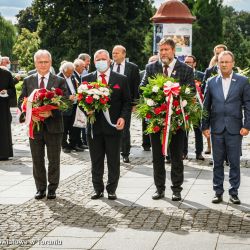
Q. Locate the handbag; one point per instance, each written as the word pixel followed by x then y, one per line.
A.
pixel 80 119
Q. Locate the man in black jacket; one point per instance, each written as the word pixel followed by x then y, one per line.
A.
pixel 171 66
pixel 130 70
pixel 104 137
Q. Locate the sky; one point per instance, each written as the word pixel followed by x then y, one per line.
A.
pixel 9 8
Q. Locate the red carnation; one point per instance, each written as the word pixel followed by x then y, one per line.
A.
pixel 176 103
pixel 89 99
pixel 49 94
pixel 157 110
pixel 80 96
pixel 178 112
pixel 103 101
pixel 85 82
pixel 58 91
pixel 90 86
pixel 41 96
pixel 148 116
pixel 164 106
pixel 156 129
pixel 42 90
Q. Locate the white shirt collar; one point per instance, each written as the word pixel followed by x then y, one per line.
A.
pixel 45 76
pixel 107 73
pixel 230 77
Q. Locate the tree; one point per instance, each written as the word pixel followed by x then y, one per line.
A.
pixel 26 45
pixel 7 37
pixel 67 27
pixel 27 19
pixel 207 29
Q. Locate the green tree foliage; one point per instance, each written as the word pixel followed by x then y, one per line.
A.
pixel 67 26
pixel 27 19
pixel 26 45
pixel 7 37
pixel 207 29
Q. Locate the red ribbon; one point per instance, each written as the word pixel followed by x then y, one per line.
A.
pixel 198 89
pixel 169 91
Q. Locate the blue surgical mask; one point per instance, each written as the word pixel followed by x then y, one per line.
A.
pixel 101 65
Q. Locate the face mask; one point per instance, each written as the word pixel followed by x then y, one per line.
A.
pixel 101 65
pixel 8 66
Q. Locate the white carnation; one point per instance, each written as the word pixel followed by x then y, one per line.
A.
pixel 150 102
pixel 97 97
pixel 168 83
pixel 82 88
pixel 187 90
pixel 184 103
pixel 155 89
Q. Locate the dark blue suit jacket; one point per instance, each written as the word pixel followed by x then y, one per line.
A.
pixel 227 113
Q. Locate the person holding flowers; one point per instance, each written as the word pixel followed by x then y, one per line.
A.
pixel 168 65
pixel 40 88
pixel 104 97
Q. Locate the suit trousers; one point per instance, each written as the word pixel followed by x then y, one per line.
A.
pixel 176 151
pixel 99 146
pixel 126 144
pixel 37 145
pixel 226 144
pixel 145 137
pixel 198 142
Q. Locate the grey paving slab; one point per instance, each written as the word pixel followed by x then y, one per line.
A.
pixel 128 239
pixel 187 241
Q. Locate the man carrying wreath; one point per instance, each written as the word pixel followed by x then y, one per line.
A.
pixel 50 131
pixel 104 134
pixel 170 66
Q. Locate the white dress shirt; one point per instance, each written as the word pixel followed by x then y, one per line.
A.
pixel 45 80
pixel 122 67
pixel 107 75
pixel 226 84
pixel 70 84
pixel 170 67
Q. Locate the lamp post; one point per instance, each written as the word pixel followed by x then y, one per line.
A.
pixel 89 27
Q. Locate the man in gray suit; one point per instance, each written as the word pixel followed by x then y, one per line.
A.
pixel 226 96
pixel 51 130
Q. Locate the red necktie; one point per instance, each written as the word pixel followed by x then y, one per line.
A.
pixel 42 83
pixel 103 79
pixel 165 69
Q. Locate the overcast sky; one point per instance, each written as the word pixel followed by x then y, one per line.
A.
pixel 9 8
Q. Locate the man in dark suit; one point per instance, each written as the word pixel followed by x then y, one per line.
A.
pixel 131 70
pixel 71 134
pixel 169 65
pixel 104 138
pixel 51 130
pixel 226 96
pixel 198 76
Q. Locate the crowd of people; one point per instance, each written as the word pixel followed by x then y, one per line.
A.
pixel 223 94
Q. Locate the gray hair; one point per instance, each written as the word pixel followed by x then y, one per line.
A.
pixel 0 59
pixel 42 52
pixel 66 65
pixel 101 51
pixel 78 62
pixel 226 52
pixel 84 56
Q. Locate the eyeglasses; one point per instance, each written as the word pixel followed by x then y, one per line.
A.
pixel 43 62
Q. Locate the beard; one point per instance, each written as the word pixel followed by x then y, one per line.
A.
pixel 165 61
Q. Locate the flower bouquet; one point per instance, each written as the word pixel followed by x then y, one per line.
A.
pixel 168 107
pixel 92 97
pixel 42 100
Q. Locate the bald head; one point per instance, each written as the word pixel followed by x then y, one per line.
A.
pixel 119 54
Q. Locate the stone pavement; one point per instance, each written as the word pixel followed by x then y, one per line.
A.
pixel 134 221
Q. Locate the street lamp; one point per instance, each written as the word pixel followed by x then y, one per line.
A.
pixel 89 27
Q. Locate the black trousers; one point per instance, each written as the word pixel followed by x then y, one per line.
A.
pixel 99 146
pixel 71 134
pixel 145 137
pixel 37 145
pixel 176 151
pixel 126 143
pixel 198 142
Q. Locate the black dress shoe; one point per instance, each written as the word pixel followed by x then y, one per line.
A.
pixel 176 196
pixel 167 159
pixel 146 148
pixel 51 195
pixel 217 199
pixel 77 149
pixel 200 157
pixel 97 195
pixel 83 146
pixel 112 196
pixel 40 194
pixel 234 199
pixel 158 195
pixel 125 159
pixel 66 150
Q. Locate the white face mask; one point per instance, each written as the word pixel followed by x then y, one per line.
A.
pixel 101 65
pixel 8 66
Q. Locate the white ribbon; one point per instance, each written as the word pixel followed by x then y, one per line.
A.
pixel 107 116
pixel 29 107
